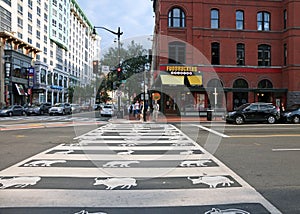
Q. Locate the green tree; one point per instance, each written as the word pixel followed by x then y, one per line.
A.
pixel 132 61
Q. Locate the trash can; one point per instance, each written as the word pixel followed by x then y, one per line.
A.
pixel 209 114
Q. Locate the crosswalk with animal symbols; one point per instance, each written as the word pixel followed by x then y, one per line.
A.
pixel 127 168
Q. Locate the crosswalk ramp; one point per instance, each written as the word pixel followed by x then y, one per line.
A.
pixel 127 168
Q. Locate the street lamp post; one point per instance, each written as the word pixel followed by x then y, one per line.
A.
pixel 119 33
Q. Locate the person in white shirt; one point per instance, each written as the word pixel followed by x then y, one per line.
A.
pixel 155 111
pixel 136 109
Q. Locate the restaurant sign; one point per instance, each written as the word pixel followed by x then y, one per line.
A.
pixel 179 70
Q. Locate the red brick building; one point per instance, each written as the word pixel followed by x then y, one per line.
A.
pixel 253 47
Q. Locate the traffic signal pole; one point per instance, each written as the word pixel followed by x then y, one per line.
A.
pixel 119 33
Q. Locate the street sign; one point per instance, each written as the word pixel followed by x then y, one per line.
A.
pixel 119 93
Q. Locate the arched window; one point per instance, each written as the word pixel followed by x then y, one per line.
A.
pixel 265 84
pixel 177 53
pixel 263 21
pixel 240 83
pixel 239 19
pixel 264 55
pixel 214 83
pixel 214 18
pixel 176 18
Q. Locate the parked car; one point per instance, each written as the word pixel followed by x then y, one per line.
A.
pixel 12 110
pixel 254 112
pixel 38 109
pixel 75 108
pixel 60 108
pixel 292 114
pixel 107 110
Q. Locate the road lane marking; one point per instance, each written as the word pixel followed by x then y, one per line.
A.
pixel 286 150
pixel 264 136
pixel 211 131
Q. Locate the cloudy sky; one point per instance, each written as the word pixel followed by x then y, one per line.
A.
pixel 134 17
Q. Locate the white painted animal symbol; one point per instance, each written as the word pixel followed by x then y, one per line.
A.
pixel 188 152
pixel 87 212
pixel 65 152
pixel 18 182
pixel 119 163
pixel 227 211
pixel 112 183
pixel 189 163
pixel 44 163
pixel 128 144
pixel 129 152
pixel 212 181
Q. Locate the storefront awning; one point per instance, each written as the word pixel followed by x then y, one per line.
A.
pixel 172 80
pixel 20 89
pixel 195 80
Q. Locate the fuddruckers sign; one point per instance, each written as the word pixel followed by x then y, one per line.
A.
pixel 179 70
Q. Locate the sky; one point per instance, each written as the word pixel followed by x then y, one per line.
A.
pixel 134 17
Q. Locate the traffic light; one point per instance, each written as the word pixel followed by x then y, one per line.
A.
pixel 119 71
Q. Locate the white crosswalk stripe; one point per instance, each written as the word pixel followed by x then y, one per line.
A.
pixel 137 168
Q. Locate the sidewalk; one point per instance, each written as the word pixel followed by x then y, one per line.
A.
pixel 171 119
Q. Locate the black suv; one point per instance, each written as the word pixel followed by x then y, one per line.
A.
pixel 254 112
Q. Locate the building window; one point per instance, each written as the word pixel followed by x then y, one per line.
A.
pixel 30 4
pixel 284 19
pixel 263 21
pixel 285 54
pixel 38 34
pixel 239 19
pixel 215 53
pixel 38 23
pixel 214 18
pixel 38 10
pixel 240 54
pixel 29 16
pixel 264 55
pixel 176 18
pixel 29 29
pixel 53 22
pixel 265 84
pixel 176 53
pixel 20 9
pixel 20 22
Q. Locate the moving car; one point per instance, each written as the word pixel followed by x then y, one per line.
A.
pixel 254 112
pixel 12 110
pixel 60 108
pixel 107 110
pixel 75 108
pixel 38 109
pixel 292 114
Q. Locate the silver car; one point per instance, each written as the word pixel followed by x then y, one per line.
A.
pixel 60 108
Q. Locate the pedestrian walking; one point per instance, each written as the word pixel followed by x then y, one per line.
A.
pixel 155 111
pixel 136 109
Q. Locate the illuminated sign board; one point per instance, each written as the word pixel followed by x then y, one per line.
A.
pixel 180 70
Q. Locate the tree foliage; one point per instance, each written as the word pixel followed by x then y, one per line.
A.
pixel 133 59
